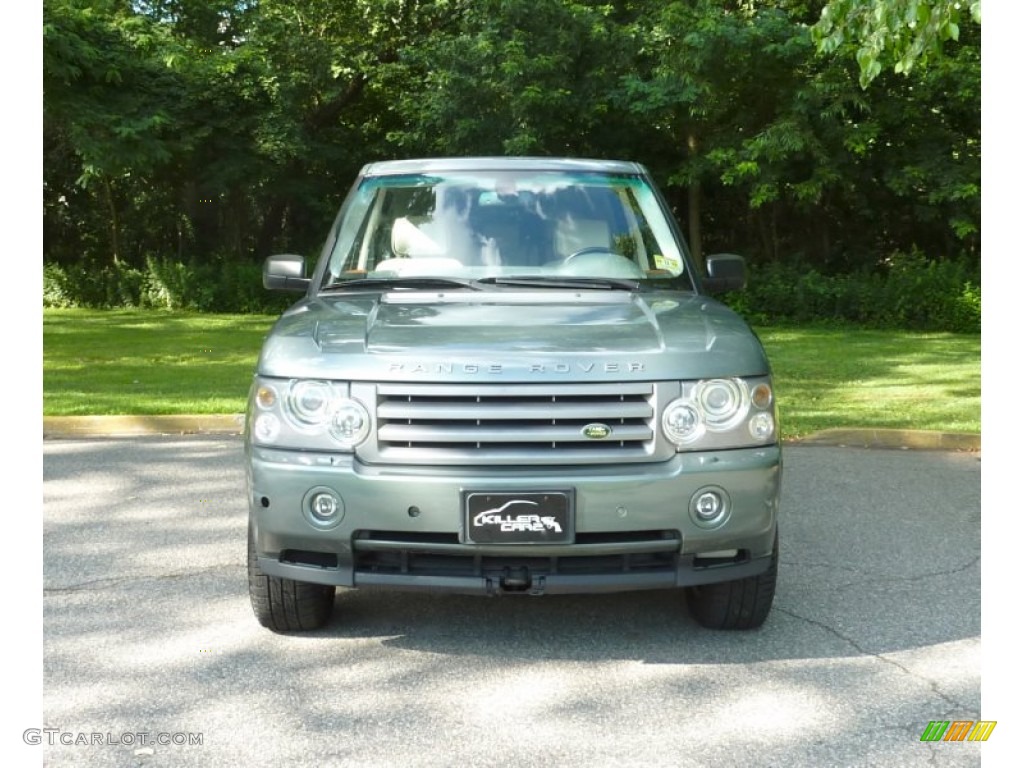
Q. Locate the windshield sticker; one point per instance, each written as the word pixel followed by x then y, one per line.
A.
pixel 667 262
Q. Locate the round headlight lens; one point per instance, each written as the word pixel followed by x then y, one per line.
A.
pixel 266 428
pixel 762 426
pixel 682 422
pixel 724 402
pixel 309 402
pixel 350 424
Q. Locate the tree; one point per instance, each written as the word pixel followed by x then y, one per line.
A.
pixel 784 157
pixel 212 132
pixel 751 116
pixel 109 99
pixel 514 77
pixel 900 33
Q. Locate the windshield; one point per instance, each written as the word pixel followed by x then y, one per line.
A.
pixel 499 224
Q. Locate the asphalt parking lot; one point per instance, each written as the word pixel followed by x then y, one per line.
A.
pixel 149 637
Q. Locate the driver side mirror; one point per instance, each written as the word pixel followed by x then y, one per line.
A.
pixel 726 272
pixel 286 272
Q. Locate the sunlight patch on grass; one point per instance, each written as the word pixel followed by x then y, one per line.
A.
pixel 844 378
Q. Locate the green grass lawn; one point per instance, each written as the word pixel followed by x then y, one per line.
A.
pixel 875 379
pixel 152 362
pixel 148 362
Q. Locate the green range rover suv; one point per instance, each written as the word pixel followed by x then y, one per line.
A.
pixel 507 377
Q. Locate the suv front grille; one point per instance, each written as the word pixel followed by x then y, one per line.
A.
pixel 515 423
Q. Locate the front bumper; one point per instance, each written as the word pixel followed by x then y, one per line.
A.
pixel 404 528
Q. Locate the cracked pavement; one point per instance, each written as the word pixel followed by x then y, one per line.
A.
pixel 147 630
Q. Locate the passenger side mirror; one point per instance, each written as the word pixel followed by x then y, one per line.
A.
pixel 286 272
pixel 726 272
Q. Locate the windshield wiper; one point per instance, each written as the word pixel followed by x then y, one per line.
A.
pixel 601 283
pixel 403 282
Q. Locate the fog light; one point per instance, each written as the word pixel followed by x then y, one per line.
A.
pixel 323 507
pixel 709 507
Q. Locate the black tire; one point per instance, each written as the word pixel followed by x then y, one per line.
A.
pixel 740 604
pixel 285 605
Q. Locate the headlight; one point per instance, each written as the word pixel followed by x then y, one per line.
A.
pixel 682 422
pixel 762 426
pixel 350 424
pixel 266 428
pixel 721 413
pixel 724 402
pixel 309 403
pixel 307 414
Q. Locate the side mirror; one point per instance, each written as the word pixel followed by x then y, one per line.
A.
pixel 286 272
pixel 726 272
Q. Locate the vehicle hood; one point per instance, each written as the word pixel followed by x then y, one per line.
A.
pixel 511 336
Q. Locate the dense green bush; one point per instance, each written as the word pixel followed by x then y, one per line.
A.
pixel 93 286
pixel 907 291
pixel 218 286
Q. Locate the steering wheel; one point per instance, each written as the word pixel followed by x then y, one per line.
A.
pixel 588 249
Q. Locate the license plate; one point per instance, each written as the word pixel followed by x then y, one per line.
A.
pixel 519 518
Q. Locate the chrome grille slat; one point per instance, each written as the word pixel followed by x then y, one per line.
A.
pixel 520 455
pixel 461 411
pixel 614 389
pixel 440 433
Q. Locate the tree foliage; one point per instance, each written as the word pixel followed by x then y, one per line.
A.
pixel 214 132
pixel 902 33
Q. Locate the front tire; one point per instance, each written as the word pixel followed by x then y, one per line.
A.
pixel 739 604
pixel 286 605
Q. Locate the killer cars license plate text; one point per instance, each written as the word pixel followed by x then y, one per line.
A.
pixel 519 518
